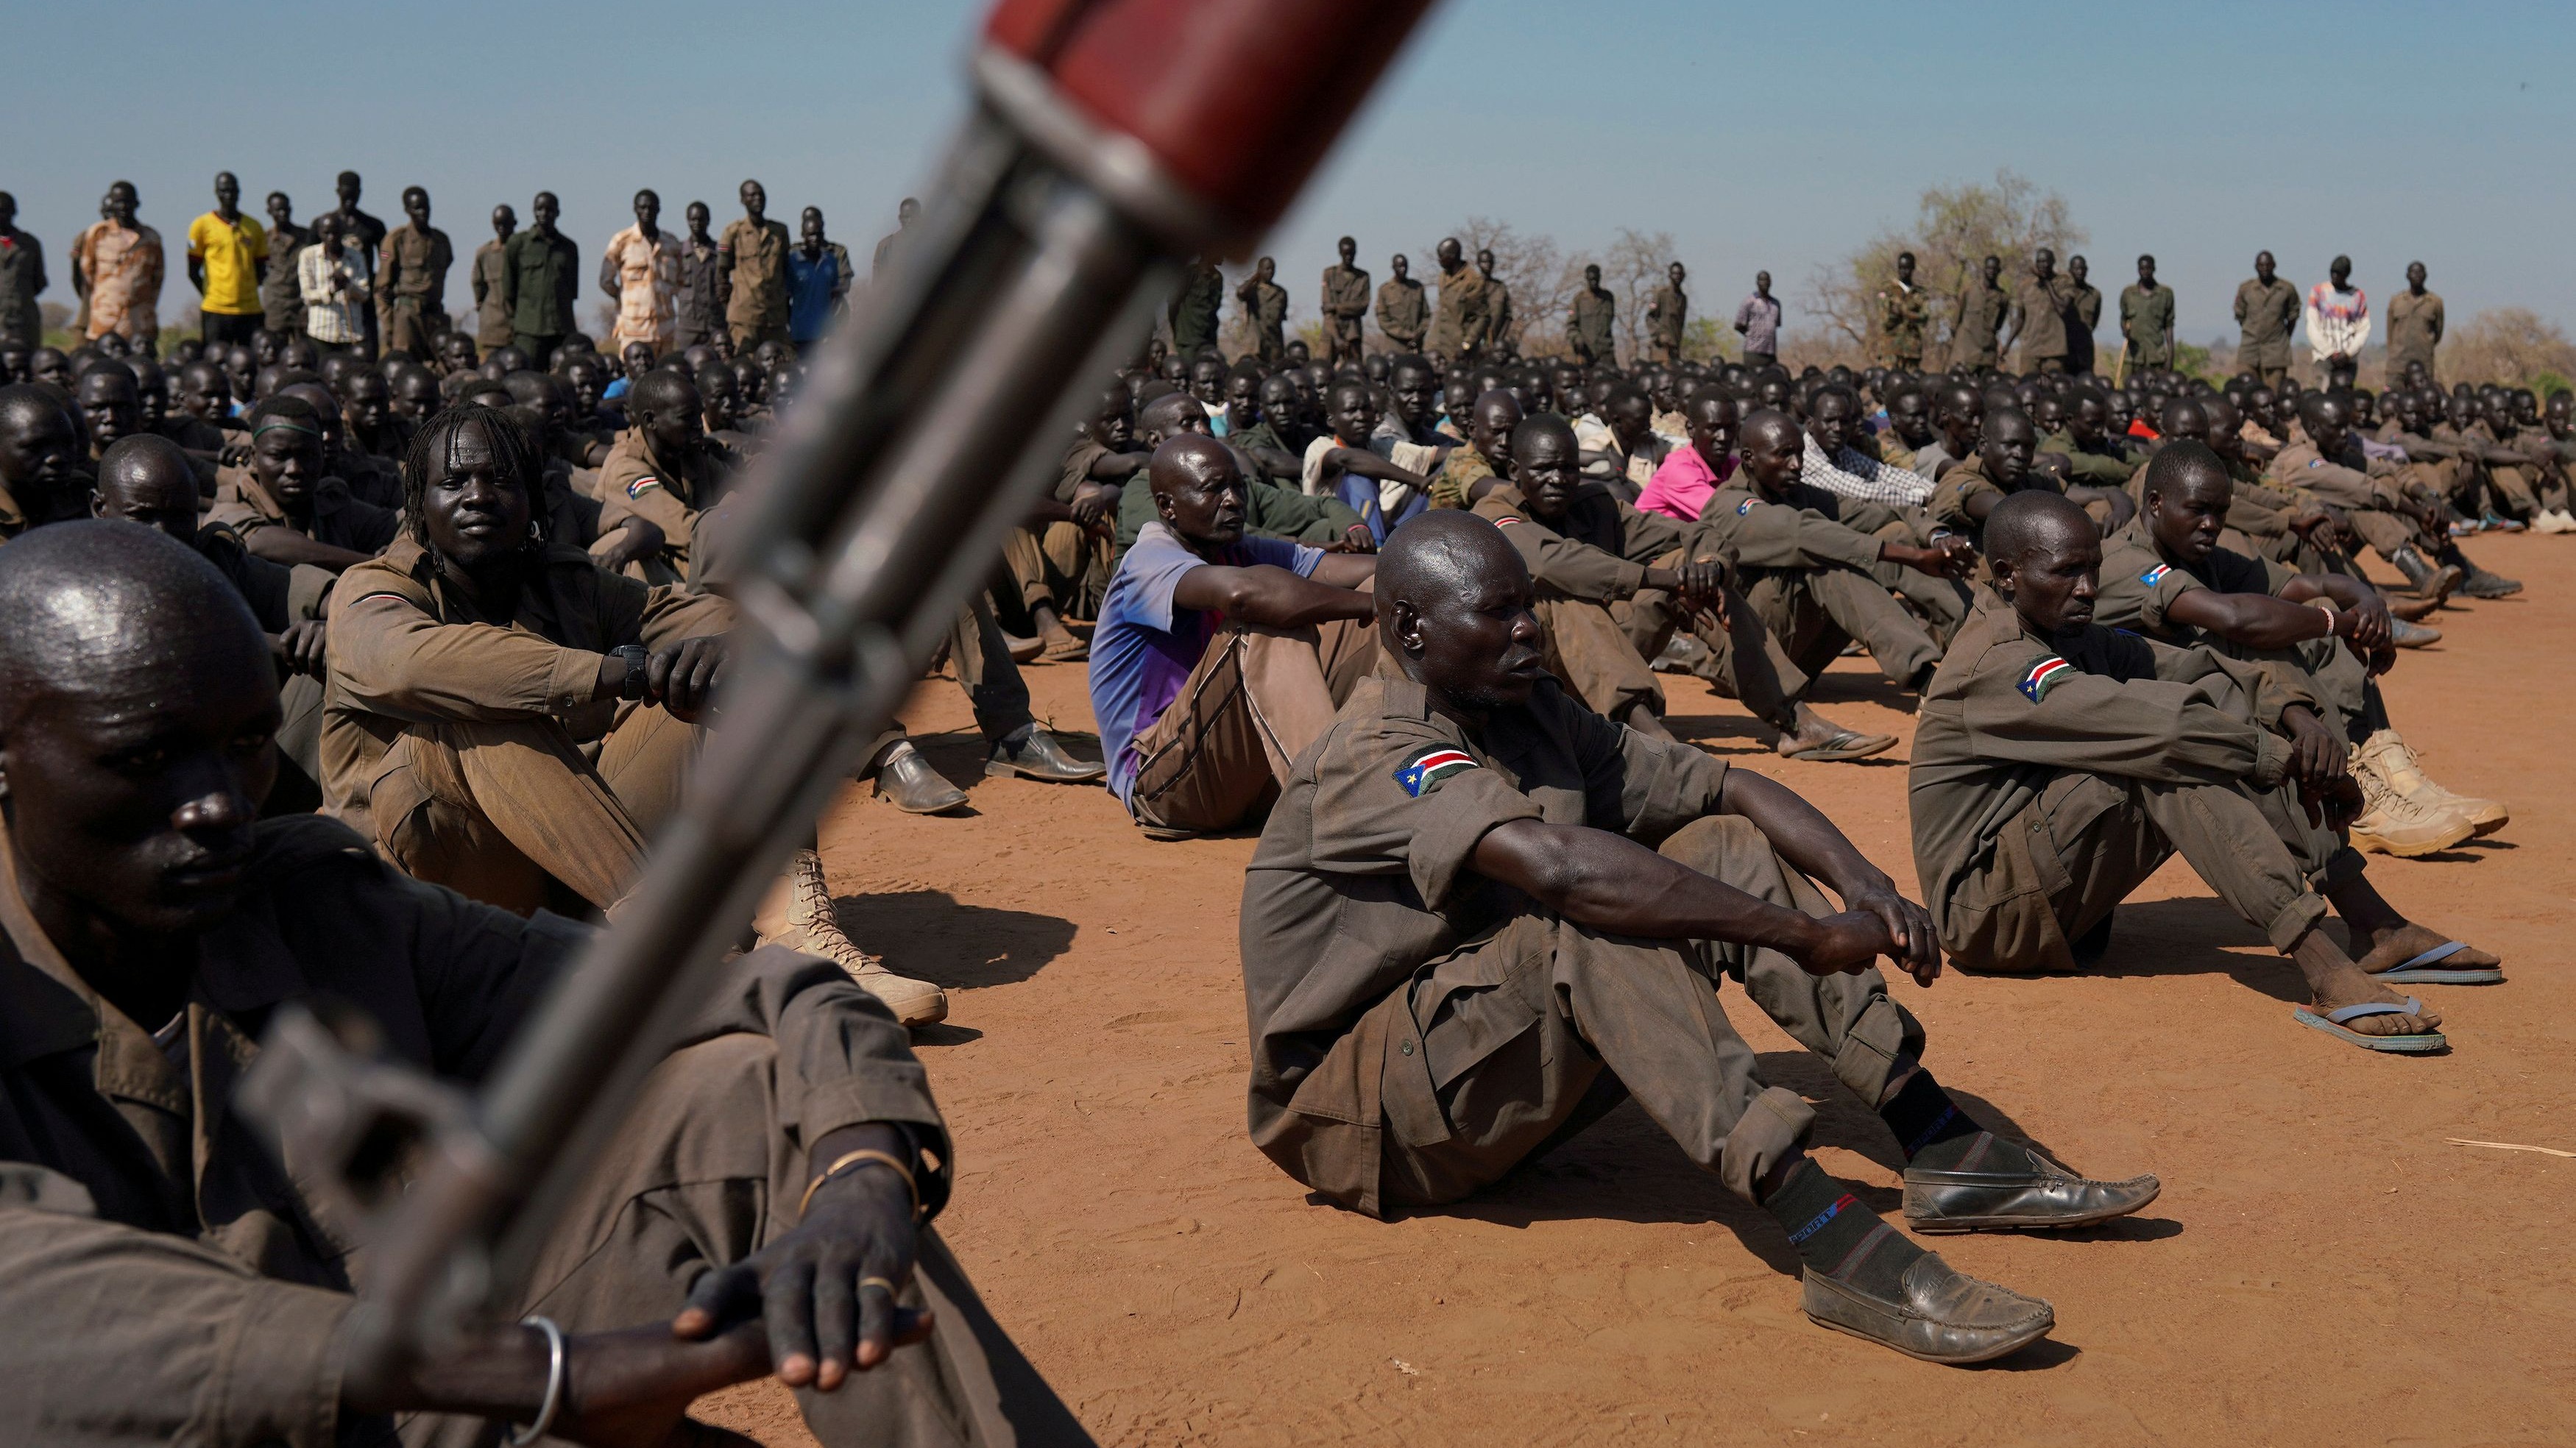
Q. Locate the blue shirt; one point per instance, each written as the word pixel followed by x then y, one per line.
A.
pixel 1144 647
pixel 809 292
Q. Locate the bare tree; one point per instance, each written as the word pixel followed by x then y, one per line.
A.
pixel 1632 268
pixel 1542 279
pixel 2509 345
pixel 1955 229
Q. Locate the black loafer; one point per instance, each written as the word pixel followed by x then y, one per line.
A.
pixel 907 781
pixel 1033 753
pixel 1940 1316
pixel 2031 1195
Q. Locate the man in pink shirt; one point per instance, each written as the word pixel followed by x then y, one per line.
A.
pixel 1689 475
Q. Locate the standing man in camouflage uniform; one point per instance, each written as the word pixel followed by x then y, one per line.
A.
pixel 2038 319
pixel 2414 326
pixel 640 270
pixel 22 276
pixel 1903 315
pixel 754 261
pixel 1194 309
pixel 698 313
pixel 1265 311
pixel 1460 326
pixel 491 292
pixel 1401 308
pixel 411 279
pixel 2083 314
pixel 1982 306
pixel 2147 320
pixel 1590 322
pixel 117 270
pixel 2266 309
pixel 1346 304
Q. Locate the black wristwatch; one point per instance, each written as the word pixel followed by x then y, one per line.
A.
pixel 635 657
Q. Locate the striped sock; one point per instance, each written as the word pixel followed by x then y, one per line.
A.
pixel 1835 1235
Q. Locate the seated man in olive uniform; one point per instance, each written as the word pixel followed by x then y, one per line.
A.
pixel 146 479
pixel 2001 466
pixel 2395 507
pixel 2166 577
pixel 164 1278
pixel 2058 763
pixel 1813 578
pixel 1616 584
pixel 284 506
pixel 663 470
pixel 1482 915
pixel 509 720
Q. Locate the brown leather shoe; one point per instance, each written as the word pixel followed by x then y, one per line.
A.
pixel 1940 1316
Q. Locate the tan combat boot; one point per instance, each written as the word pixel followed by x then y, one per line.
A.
pixel 2389 756
pixel 2393 824
pixel 798 914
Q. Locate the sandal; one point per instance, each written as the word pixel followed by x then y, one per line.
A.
pixel 2420 971
pixel 2421 1043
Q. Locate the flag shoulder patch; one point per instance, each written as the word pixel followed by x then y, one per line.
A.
pixel 1505 521
pixel 2155 575
pixel 1746 506
pixel 637 488
pixel 2042 676
pixel 1427 767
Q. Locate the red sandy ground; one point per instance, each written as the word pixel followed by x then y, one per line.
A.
pixel 2324 1266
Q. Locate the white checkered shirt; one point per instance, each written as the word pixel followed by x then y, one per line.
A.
pixel 1856 477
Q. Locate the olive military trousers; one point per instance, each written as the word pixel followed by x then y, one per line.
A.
pixel 1509 1046
pixel 702 1174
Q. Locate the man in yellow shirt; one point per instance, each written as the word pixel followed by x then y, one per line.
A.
pixel 227 258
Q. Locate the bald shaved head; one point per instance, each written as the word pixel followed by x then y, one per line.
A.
pixel 1440 554
pixel 138 708
pixel 2035 520
pixel 146 479
pixel 1454 605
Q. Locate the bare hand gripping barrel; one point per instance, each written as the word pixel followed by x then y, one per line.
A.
pixel 1114 140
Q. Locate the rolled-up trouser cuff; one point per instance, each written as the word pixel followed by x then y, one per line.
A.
pixel 1774 1124
pixel 2295 920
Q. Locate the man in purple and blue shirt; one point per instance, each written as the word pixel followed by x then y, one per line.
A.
pixel 1219 657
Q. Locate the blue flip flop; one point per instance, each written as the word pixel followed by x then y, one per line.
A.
pixel 2419 971
pixel 2332 1024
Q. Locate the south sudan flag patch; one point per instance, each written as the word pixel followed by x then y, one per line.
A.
pixel 2043 676
pixel 1428 767
pixel 2155 575
pixel 637 488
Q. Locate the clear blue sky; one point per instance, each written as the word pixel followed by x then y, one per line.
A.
pixel 1777 136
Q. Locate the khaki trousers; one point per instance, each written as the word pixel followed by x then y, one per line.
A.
pixel 747 336
pixel 1256 700
pixel 1510 1046
pixel 1062 566
pixel 505 812
pixel 2077 851
pixel 705 1172
pixel 994 688
pixel 1815 611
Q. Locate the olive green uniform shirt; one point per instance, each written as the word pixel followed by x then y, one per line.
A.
pixel 2414 329
pixel 755 262
pixel 1402 312
pixel 1590 327
pixel 1975 328
pixel 2265 316
pixel 543 275
pixel 2146 324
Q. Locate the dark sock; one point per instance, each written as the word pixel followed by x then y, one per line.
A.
pixel 1923 1116
pixel 1836 1235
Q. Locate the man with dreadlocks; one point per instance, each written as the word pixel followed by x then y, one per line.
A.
pixel 509 720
